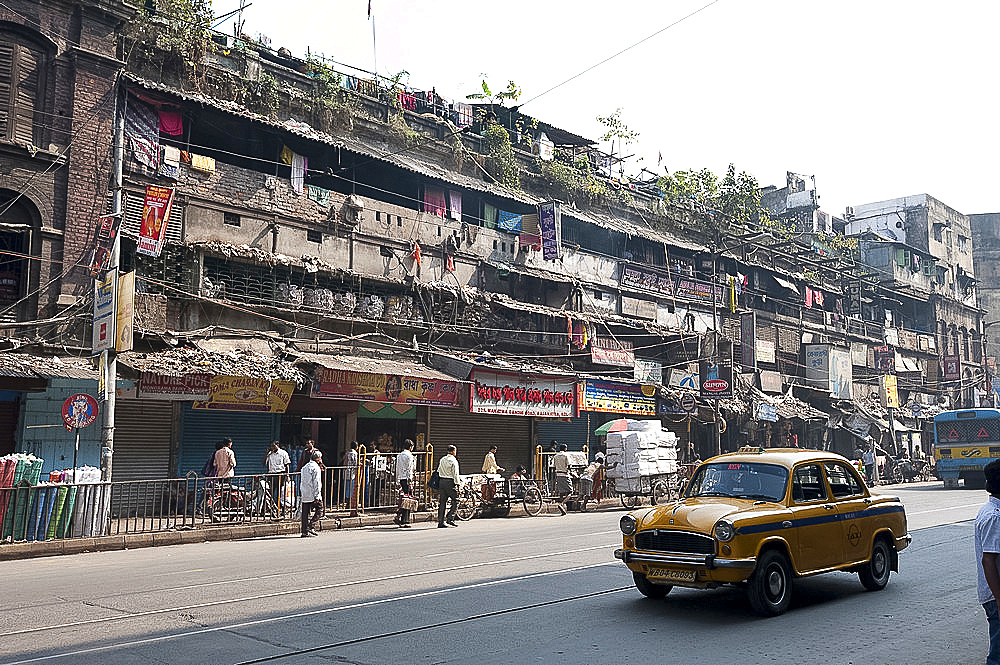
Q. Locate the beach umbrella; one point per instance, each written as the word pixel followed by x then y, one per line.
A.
pixel 617 425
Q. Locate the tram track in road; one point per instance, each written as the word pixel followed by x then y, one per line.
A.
pixel 237 626
pixel 285 592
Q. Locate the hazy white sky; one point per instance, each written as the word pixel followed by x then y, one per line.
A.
pixel 875 98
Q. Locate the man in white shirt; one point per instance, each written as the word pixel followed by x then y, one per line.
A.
pixel 311 490
pixel 404 474
pixel 490 462
pixel 988 558
pixel 448 489
pixel 564 484
pixel 276 461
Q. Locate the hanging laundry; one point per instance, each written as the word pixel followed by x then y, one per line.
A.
pixel 170 162
pixel 202 163
pixel 455 204
pixel 509 221
pixel 818 297
pixel 319 195
pixel 731 294
pixel 579 336
pixel 490 216
pixel 171 122
pixel 809 297
pixel 300 165
pixel 415 255
pixel 449 263
pixel 407 101
pixel 434 201
pixel 142 132
pixel 286 155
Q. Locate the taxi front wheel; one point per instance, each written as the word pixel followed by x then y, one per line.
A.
pixel 875 574
pixel 769 587
pixel 648 589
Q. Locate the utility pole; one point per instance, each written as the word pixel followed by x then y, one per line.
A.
pixel 717 358
pixel 111 362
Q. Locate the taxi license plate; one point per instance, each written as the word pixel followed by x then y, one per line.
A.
pixel 670 575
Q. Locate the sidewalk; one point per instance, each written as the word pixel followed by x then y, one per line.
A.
pixel 201 534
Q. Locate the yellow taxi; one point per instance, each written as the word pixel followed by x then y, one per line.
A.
pixel 764 517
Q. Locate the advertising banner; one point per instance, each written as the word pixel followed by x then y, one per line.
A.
pixel 645 280
pixel 889 395
pixel 510 394
pixel 606 351
pixel 155 216
pixel 104 312
pixel 885 359
pixel 716 378
pixel 829 368
pixel 613 397
pixel 174 388
pixel 648 371
pixel 765 350
pixel 124 319
pixel 104 242
pixel 692 289
pixel 242 393
pixel 770 381
pixel 550 222
pixel 748 336
pixel 767 412
pixel 952 368
pixel 684 378
pixel 387 388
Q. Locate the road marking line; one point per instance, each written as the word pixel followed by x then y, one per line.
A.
pixel 939 510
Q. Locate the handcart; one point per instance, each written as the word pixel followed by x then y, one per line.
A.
pixel 492 495
pixel 642 462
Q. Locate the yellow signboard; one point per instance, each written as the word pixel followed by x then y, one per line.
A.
pixel 241 393
pixel 126 312
pixel 888 395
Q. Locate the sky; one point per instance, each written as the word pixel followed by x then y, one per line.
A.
pixel 876 99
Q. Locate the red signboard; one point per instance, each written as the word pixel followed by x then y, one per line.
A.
pixel 79 410
pixel 605 351
pixel 155 216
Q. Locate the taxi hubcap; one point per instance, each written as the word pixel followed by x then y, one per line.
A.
pixel 775 583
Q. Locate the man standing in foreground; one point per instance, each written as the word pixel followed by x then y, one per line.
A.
pixel 225 459
pixel 311 489
pixel 448 489
pixel 564 484
pixel 988 558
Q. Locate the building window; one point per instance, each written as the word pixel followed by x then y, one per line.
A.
pixel 399 220
pixel 21 87
pixel 230 219
pixel 963 244
pixel 314 236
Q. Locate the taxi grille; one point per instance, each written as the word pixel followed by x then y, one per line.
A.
pixel 656 540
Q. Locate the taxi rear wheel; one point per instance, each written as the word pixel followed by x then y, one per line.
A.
pixel 770 586
pixel 875 574
pixel 648 589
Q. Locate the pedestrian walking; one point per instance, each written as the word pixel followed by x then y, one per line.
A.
pixel 988 558
pixel 404 476
pixel 448 489
pixel 564 483
pixel 225 459
pixel 311 491
pixel 868 458
pixel 306 455
pixel 276 463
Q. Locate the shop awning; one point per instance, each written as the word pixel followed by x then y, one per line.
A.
pixel 395 380
pixel 793 408
pixel 373 365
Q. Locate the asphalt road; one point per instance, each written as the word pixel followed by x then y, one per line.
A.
pixel 496 591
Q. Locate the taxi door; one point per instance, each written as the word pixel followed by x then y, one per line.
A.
pixel 816 534
pixel 849 493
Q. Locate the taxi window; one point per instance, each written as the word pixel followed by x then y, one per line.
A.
pixel 807 484
pixel 842 481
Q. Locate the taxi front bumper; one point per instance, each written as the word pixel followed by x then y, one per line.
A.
pixel 709 561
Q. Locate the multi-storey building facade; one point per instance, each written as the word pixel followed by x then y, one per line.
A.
pixel 376 263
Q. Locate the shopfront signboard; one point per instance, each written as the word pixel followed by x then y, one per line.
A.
pixel 614 397
pixel 187 387
pixel 243 393
pixel 387 388
pixel 605 351
pixel 515 394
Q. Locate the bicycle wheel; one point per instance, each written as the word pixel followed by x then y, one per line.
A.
pixel 532 501
pixel 630 501
pixel 661 494
pixel 467 504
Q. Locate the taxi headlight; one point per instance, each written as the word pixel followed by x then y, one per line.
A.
pixel 724 531
pixel 628 525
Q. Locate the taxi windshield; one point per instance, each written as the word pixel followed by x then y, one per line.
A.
pixel 739 480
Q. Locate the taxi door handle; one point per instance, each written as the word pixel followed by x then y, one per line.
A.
pixel 868 502
pixel 786 525
pixel 828 506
